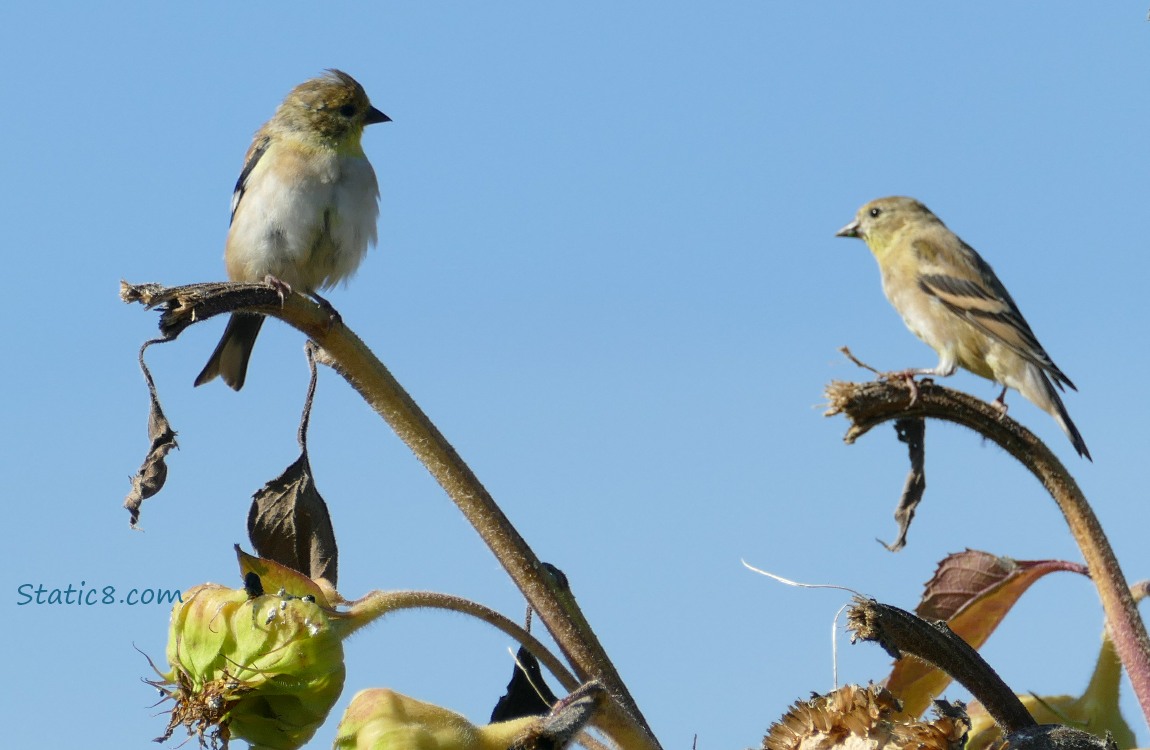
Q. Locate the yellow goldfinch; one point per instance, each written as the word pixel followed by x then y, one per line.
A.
pixel 951 299
pixel 304 208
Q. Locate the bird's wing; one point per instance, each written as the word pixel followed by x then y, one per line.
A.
pixel 976 295
pixel 257 150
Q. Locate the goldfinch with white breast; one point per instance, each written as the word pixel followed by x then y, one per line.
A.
pixel 304 208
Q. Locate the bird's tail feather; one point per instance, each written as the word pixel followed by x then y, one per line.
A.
pixel 1057 410
pixel 230 359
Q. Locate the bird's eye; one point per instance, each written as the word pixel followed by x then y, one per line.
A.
pixel 875 212
pixel 347 110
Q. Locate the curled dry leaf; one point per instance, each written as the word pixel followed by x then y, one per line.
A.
pixel 154 471
pixel 181 307
pixel 913 433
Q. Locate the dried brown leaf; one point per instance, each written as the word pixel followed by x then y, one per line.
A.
pixel 913 433
pixel 154 471
pixel 288 521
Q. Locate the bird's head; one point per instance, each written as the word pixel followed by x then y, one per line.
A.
pixel 879 221
pixel 333 107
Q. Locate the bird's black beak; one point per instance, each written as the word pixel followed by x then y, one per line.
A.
pixel 850 230
pixel 374 116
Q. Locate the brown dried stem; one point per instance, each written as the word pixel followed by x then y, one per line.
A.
pixel 867 405
pixel 349 356
pixel 899 632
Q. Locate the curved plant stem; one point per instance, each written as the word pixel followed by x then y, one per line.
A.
pixel 899 632
pixel 867 405
pixel 349 356
pixel 367 608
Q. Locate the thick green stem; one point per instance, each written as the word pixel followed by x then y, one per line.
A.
pixel 376 604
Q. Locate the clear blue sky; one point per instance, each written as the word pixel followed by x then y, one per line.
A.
pixel 607 270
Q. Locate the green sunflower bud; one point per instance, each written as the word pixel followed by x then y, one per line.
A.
pixel 382 719
pixel 266 668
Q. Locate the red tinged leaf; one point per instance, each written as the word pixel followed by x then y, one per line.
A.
pixel 973 591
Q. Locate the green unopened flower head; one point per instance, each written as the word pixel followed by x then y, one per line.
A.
pixel 382 719
pixel 266 668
